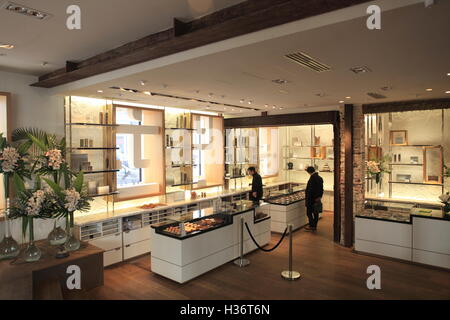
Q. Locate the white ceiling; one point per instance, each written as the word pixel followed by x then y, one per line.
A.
pixel 106 24
pixel 409 54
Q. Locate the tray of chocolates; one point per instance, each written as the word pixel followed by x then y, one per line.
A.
pixel 288 199
pixel 195 226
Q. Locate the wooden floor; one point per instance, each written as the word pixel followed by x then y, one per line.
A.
pixel 328 270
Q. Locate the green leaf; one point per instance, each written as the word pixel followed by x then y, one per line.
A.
pixel 55 187
pixel 78 183
pixel 18 182
pixel 24 226
pixel 39 143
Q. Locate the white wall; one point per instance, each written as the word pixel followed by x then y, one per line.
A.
pixel 32 107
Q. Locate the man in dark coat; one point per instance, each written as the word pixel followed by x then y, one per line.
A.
pixel 257 185
pixel 313 200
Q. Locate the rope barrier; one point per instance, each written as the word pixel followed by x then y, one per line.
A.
pixel 259 247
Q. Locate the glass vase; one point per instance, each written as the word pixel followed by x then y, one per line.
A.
pixel 32 253
pixel 57 236
pixel 9 248
pixel 72 243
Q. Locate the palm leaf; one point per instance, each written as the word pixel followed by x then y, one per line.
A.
pixel 78 183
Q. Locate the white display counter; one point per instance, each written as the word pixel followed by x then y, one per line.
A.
pixel 184 259
pixel 422 239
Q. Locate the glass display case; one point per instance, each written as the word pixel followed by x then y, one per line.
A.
pixel 399 211
pixel 288 197
pixel 412 146
pixel 192 223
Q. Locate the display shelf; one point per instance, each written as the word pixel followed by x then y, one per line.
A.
pixel 189 129
pixel 406 164
pixel 417 183
pixel 101 171
pixel 95 148
pixel 104 194
pixel 91 124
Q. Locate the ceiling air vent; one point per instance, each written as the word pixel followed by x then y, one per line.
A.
pixel 308 62
pixel 376 95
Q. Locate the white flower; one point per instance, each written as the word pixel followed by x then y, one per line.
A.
pixel 54 158
pixel 34 204
pixel 9 158
pixel 72 198
pixel 373 167
pixel 445 197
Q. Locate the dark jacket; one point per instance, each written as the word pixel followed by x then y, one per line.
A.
pixel 257 186
pixel 314 189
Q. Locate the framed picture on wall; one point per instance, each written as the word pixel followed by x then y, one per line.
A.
pixel 398 138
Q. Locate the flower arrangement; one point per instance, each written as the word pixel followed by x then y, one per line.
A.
pixel 38 158
pixel 376 168
pixel 445 199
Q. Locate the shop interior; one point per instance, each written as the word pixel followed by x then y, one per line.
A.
pixel 164 148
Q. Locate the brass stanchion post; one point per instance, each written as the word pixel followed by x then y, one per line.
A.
pixel 289 274
pixel 241 262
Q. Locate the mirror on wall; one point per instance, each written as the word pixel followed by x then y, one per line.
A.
pixel 432 168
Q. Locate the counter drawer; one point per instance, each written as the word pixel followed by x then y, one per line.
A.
pixel 136 235
pixel 109 242
pixel 112 256
pixel 136 249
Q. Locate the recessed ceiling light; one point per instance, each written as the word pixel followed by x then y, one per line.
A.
pixel 143 82
pixel 280 81
pixel 429 89
pixel 281 108
pixel 274 107
pixel 44 63
pixel 266 105
pixel 6 46
pixel 362 69
pixel 348 97
pixel 447 92
pixel 148 93
pixel 17 8
pixel 342 101
pixel 232 109
pixel 100 91
pixel 448 74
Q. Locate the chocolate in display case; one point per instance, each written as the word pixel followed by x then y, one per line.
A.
pixel 399 211
pixel 185 225
pixel 289 198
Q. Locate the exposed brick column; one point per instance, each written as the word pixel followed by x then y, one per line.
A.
pixel 358 154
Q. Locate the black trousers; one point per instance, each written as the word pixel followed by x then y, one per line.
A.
pixel 313 216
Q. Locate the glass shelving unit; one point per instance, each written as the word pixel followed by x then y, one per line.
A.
pixel 90 135
pixel 304 146
pixel 241 152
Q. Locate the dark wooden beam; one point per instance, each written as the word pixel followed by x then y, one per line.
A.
pixel 180 27
pixel 293 119
pixel 348 175
pixel 410 105
pixel 71 66
pixel 248 16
